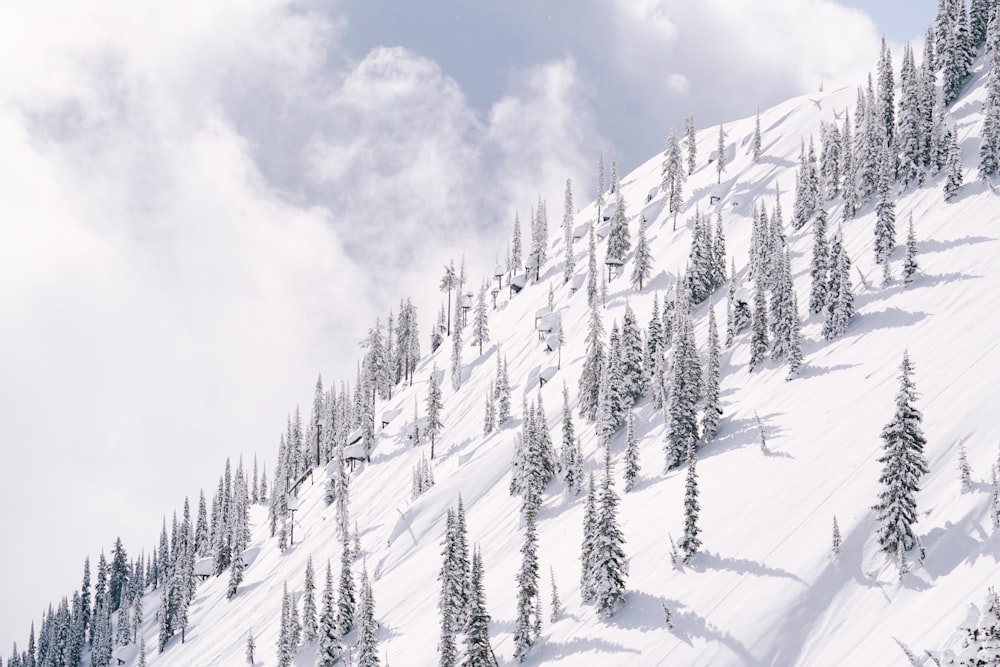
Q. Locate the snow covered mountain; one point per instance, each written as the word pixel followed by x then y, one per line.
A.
pixel 766 587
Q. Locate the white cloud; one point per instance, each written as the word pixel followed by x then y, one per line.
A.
pixel 678 83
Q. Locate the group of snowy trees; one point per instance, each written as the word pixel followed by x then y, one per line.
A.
pixel 462 602
pixel 114 616
pixel 340 611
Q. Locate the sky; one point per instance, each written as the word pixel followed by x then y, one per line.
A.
pixel 206 205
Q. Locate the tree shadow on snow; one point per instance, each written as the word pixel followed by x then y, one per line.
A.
pixel 706 560
pixel 743 432
pixel 688 625
pixel 933 245
pixel 815 370
pixel 890 318
pixel 548 651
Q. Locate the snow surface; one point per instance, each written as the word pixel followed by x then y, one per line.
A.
pixel 765 589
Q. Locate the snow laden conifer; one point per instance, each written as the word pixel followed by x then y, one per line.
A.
pixel 449 283
pixel 903 465
pixel 685 387
pixel 819 271
pixel 672 177
pixel 840 292
pixel 346 602
pixel 567 459
pixel 455 370
pixel 481 321
pixel 555 604
pixel 692 144
pixel 836 537
pixel 755 142
pixel 720 159
pixel 690 542
pixel 631 453
pixel 526 623
pixel 592 292
pixel 478 652
pixel 310 628
pixel 330 646
pixel 516 247
pixel 569 259
pixel 964 469
pixel 619 238
pixel 652 360
pixel 367 626
pixel 610 567
pixel 434 407
pixel 502 389
pixel 642 267
pixel 759 344
pixel 953 166
pixel 286 644
pixel 989 149
pixel 885 214
pixel 713 412
pixel 593 367
pixel 910 265
pixel 630 360
pixel 588 545
pixel 490 413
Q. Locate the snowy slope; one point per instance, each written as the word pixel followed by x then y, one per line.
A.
pixel 765 589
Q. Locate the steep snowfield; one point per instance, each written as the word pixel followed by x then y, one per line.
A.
pixel 765 589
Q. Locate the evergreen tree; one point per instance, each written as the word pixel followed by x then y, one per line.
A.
pixel 692 146
pixel 685 386
pixel 591 267
pixel 310 629
pixel 588 585
pixel 502 390
pixel 447 648
pixel 654 342
pixel 910 265
pixel 540 238
pixel 631 358
pixel 569 261
pixel 830 160
pixel 345 596
pixel 836 536
pixel 909 120
pixel 330 646
pixel 434 407
pixel 600 180
pixel 367 626
pixel 449 281
pixel 720 162
pixel 885 213
pixel 525 623
pixel 759 344
pixel 567 460
pixel 840 293
pixel 886 102
pixel 490 415
pixel 631 454
pixel 516 247
pixel 643 267
pixel 556 604
pixel 593 367
pixel 989 149
pixel 480 323
pixel 956 54
pixel 964 470
pixel 953 166
pixel 456 350
pixel 794 341
pixel 904 464
pixel 690 542
pixel 848 169
pixel 286 650
pixel 235 577
pixel 820 265
pixel 610 566
pixel 478 652
pixel 755 142
pixel 713 412
pixel 673 177
pixel 619 239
